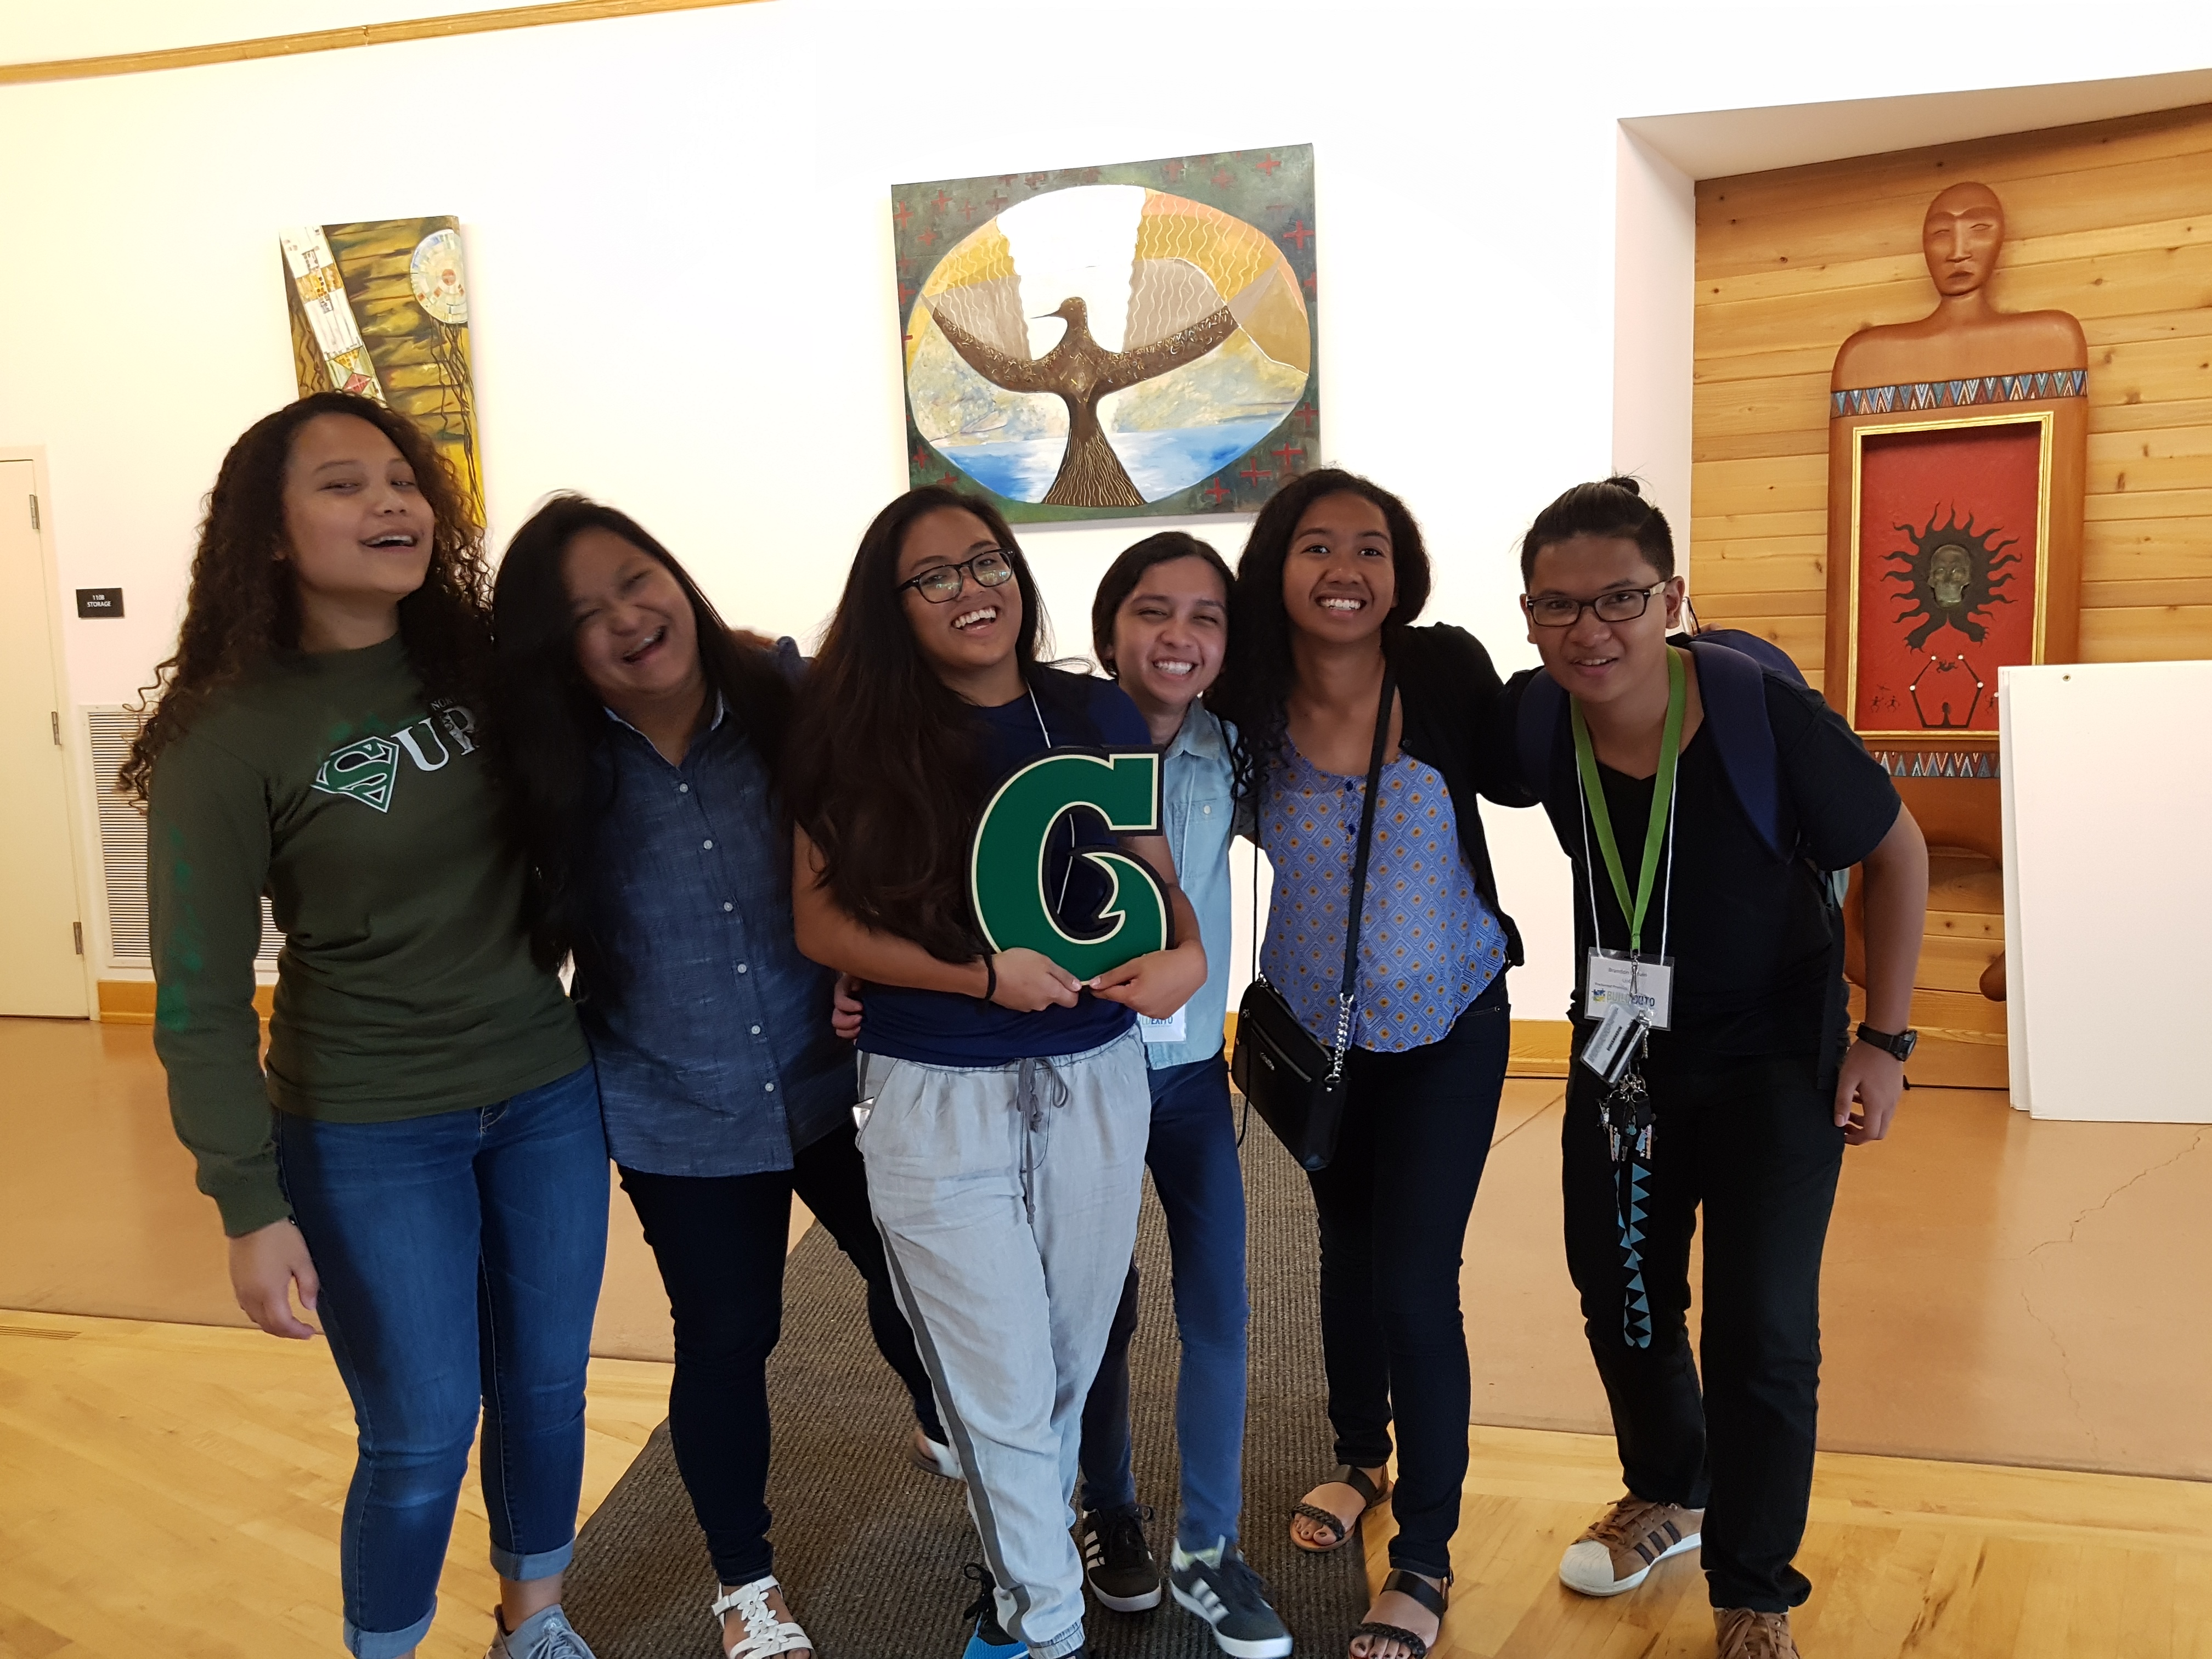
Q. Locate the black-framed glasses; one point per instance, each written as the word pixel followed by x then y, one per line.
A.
pixel 1623 604
pixel 941 584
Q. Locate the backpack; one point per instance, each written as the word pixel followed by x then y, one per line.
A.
pixel 1732 670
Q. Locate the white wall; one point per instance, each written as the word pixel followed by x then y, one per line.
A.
pixel 679 253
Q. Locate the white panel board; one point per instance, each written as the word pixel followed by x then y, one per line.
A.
pixel 2108 900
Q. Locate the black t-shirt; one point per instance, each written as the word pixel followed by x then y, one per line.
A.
pixel 1755 958
pixel 938 1028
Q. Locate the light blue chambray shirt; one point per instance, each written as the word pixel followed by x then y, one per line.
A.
pixel 1194 791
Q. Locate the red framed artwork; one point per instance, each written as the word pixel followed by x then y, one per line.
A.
pixel 1950 552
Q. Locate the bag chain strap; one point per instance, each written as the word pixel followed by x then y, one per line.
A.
pixel 1346 997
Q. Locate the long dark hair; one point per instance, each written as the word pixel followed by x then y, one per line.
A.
pixel 1257 671
pixel 1611 508
pixel 884 771
pixel 1122 577
pixel 552 731
pixel 243 608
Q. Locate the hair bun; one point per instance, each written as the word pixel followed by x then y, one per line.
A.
pixel 1628 485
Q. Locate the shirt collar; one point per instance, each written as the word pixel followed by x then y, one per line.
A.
pixel 1200 735
pixel 722 708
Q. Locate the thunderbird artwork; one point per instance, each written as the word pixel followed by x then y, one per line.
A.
pixel 1116 342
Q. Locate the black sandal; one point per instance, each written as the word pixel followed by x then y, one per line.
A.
pixel 1420 1590
pixel 1369 1496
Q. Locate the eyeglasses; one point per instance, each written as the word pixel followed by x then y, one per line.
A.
pixel 941 584
pixel 1625 604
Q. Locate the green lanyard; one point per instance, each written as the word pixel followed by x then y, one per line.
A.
pixel 1663 793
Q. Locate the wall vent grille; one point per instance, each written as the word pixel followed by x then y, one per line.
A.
pixel 122 848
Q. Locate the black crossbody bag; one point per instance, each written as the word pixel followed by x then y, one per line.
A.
pixel 1296 1083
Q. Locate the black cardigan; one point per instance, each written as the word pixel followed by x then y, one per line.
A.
pixel 1449 692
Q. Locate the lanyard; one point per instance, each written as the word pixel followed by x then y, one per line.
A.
pixel 1662 796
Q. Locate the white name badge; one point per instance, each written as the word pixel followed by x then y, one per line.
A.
pixel 1641 986
pixel 1162 1030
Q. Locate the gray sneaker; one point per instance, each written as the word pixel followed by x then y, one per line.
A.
pixel 546 1635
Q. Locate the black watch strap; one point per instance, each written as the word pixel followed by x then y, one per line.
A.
pixel 1899 1044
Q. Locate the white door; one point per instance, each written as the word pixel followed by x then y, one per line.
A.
pixel 41 941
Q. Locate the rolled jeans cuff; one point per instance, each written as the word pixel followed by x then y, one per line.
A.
pixel 387 1643
pixel 522 1569
pixel 1061 1646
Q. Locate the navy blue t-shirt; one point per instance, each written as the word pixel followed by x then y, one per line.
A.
pixel 940 1028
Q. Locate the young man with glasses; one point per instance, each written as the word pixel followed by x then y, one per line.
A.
pixel 1705 797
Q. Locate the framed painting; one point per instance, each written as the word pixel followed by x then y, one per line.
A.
pixel 381 308
pixel 1949 577
pixel 1112 341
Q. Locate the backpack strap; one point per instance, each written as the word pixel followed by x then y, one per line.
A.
pixel 1733 688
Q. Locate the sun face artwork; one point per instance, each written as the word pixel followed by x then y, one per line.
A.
pixel 381 309
pixel 1949 560
pixel 1112 341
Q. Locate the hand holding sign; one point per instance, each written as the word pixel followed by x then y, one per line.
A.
pixel 1006 865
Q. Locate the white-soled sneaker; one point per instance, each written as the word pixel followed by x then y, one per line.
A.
pixel 1216 1585
pixel 1624 1544
pixel 546 1634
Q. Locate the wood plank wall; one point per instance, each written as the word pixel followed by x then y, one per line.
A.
pixel 2112 221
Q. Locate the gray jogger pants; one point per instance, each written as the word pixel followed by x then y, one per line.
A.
pixel 1007 1201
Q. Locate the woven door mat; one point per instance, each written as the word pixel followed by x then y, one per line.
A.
pixel 869 1549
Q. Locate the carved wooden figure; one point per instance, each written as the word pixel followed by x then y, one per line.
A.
pixel 1957 454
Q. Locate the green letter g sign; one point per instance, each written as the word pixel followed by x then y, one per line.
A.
pixel 1006 868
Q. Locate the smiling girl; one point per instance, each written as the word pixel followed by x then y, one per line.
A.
pixel 1321 652
pixel 647 747
pixel 1005 1100
pixel 1159 624
pixel 431 1180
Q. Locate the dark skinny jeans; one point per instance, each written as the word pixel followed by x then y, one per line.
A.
pixel 1393 1205
pixel 1757 1145
pixel 720 1244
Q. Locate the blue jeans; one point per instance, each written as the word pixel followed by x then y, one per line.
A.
pixel 460 1256
pixel 1192 1158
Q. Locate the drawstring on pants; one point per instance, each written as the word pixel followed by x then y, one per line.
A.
pixel 1035 1103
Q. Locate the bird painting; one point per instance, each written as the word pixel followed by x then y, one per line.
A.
pixel 1103 348
pixel 1078 371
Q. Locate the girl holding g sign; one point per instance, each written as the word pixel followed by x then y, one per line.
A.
pixel 1006 1103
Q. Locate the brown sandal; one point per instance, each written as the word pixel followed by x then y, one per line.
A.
pixel 1369 1494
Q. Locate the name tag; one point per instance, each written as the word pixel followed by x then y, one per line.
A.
pixel 1640 986
pixel 1170 1030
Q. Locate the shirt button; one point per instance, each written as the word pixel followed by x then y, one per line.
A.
pixel 741 967
pixel 726 905
pixel 709 844
pixel 756 1031
pixel 685 789
pixel 771 1088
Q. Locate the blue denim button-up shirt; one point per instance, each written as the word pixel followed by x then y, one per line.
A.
pixel 711 1032
pixel 1194 793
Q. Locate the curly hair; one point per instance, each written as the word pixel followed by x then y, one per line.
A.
pixel 244 604
pixel 1258 670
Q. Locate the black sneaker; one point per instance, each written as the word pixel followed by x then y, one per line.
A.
pixel 1217 1586
pixel 988 1640
pixel 1117 1563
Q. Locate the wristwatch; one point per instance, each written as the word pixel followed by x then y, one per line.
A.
pixel 1899 1045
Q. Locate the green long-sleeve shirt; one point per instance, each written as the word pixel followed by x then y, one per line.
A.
pixel 405 986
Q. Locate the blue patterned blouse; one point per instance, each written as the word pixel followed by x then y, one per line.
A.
pixel 1428 944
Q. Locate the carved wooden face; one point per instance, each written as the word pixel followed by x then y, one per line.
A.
pixel 1961 237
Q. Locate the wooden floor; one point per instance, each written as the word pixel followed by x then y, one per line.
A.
pixel 173 1491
